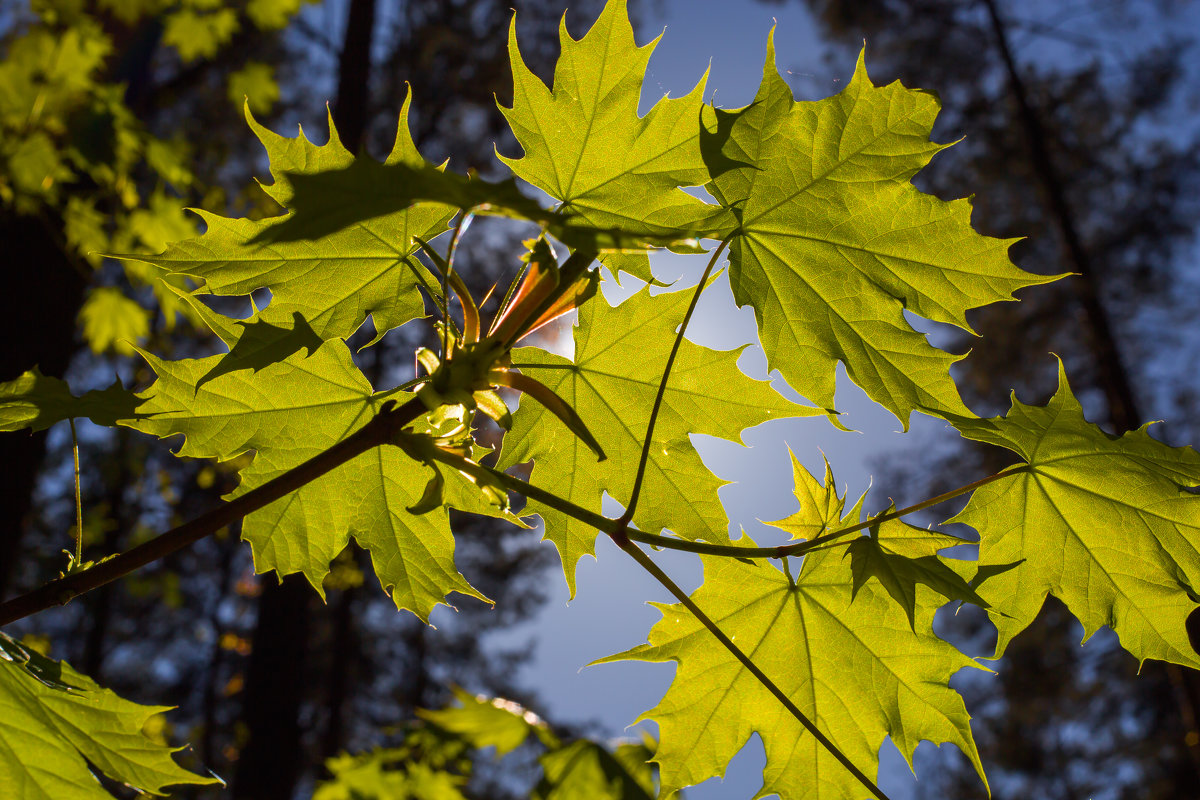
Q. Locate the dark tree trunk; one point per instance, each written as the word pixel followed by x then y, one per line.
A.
pixel 216 661
pixel 350 114
pixel 1123 412
pixel 1114 380
pixel 100 602
pixel 269 766
pixel 345 655
pixel 38 306
pixel 270 763
pixel 351 110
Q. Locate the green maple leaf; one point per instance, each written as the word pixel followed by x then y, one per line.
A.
pixel 325 202
pixel 289 412
pixel 113 321
pixel 54 722
pixel 266 338
pixel 586 146
pixel 482 723
pixel 334 281
pixel 1107 524
pixel 387 775
pixel 895 553
pixel 581 769
pixel 900 556
pixel 833 243
pixel 821 507
pixel 852 663
pixel 620 354
pixel 584 770
pixel 36 401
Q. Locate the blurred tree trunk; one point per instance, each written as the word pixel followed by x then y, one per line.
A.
pixel 271 760
pixel 118 523
pixel 1113 378
pixel 270 764
pixel 1122 405
pixel 44 292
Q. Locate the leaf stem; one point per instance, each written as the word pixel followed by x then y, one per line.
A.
pixel 78 496
pixel 382 429
pixel 526 489
pixel 800 548
pixel 662 386
pixel 648 564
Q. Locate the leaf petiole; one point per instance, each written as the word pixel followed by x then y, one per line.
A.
pixel 648 564
pixel 662 386
pixel 809 545
pixel 78 495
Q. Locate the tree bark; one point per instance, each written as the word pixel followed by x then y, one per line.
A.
pixel 270 763
pixel 37 322
pixel 352 108
pixel 1123 412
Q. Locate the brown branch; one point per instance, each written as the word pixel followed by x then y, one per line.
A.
pixel 380 430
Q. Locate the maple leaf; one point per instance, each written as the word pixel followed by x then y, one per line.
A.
pixel 55 722
pixel 326 202
pixel 833 243
pixel 852 663
pixel 389 774
pixel 110 320
pixel 613 391
pixel 583 770
pixel 335 281
pixel 289 412
pixel 896 554
pixel 266 338
pixel 900 556
pixel 579 769
pixel 821 507
pixel 586 147
pixel 1107 524
pixel 481 722
pixel 36 401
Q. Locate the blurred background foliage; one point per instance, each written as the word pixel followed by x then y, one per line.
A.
pixel 116 115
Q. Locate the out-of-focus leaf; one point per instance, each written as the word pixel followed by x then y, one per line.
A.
pixel 483 722
pixel 56 725
pixel 36 401
pixel 254 84
pixel 111 321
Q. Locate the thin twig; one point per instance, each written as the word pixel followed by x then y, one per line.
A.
pixel 800 548
pixel 613 527
pixel 78 495
pixel 648 564
pixel 662 387
pixel 382 429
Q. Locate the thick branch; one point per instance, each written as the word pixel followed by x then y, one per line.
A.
pixel 382 429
